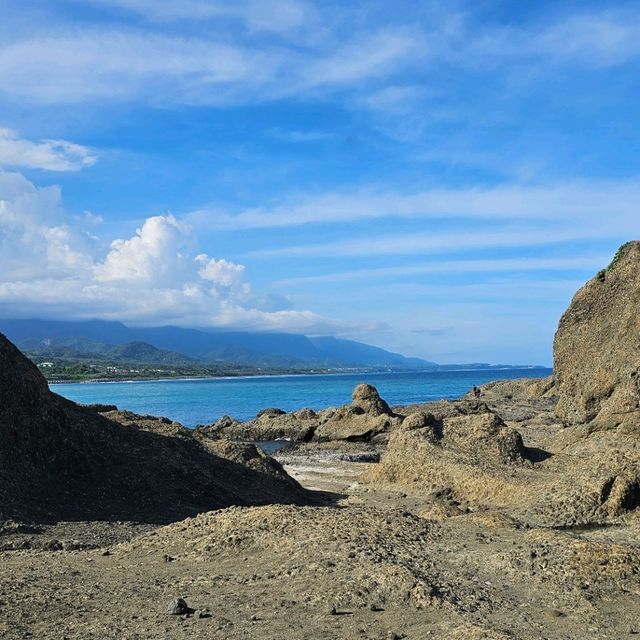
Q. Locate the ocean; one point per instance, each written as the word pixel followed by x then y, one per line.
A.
pixel 203 401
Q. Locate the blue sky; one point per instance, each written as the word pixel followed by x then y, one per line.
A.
pixel 435 178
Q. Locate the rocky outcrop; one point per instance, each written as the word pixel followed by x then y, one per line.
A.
pixel 462 453
pixel 59 460
pixel 597 348
pixel 368 418
pixel 352 424
pixel 269 424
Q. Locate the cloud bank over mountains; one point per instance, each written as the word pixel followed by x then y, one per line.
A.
pixel 52 264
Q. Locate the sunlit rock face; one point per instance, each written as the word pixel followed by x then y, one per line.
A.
pixel 597 348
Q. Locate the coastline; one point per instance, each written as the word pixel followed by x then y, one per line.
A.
pixel 375 372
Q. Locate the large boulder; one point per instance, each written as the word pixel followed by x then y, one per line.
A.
pixel 59 460
pixel 597 348
pixel 367 398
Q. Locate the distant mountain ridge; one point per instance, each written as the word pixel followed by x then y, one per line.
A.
pixel 176 345
pixel 85 349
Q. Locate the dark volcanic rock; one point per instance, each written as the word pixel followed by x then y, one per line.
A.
pixel 178 607
pixel 59 460
pixel 597 347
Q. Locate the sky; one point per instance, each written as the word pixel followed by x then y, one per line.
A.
pixel 436 178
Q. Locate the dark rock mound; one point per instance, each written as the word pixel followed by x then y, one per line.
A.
pixel 597 348
pixel 59 460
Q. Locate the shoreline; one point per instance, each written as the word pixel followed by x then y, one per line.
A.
pixel 299 375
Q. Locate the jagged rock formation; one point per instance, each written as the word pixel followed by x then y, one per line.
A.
pixel 62 461
pixel 269 424
pixel 466 457
pixel 458 448
pixel 368 418
pixel 597 348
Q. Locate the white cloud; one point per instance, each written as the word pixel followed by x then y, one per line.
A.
pixel 574 202
pixel 143 258
pixel 439 267
pixel 292 135
pixel 50 267
pixel 280 16
pixel 369 55
pixel 211 67
pixel 35 237
pixel 436 242
pixel 73 67
pixel 291 48
pixel 597 39
pixel 600 39
pixel 51 155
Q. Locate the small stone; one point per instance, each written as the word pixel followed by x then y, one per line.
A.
pixel 333 611
pixel 554 613
pixel 178 607
pixel 168 558
pixel 204 613
pixel 106 552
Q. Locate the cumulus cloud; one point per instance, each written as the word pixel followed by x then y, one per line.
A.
pixel 143 258
pixel 51 267
pixel 220 271
pixel 50 155
pixel 35 237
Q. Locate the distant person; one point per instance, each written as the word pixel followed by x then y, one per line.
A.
pixel 476 391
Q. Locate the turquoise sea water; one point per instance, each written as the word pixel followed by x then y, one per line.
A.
pixel 193 402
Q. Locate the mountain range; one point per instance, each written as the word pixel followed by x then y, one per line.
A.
pixel 176 346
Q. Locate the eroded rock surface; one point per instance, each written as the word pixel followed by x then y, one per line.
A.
pixel 597 348
pixel 59 460
pixel 465 452
pixel 367 418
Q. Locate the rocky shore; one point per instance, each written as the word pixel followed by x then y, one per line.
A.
pixel 510 513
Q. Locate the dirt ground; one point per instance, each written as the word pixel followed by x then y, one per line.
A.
pixel 374 563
